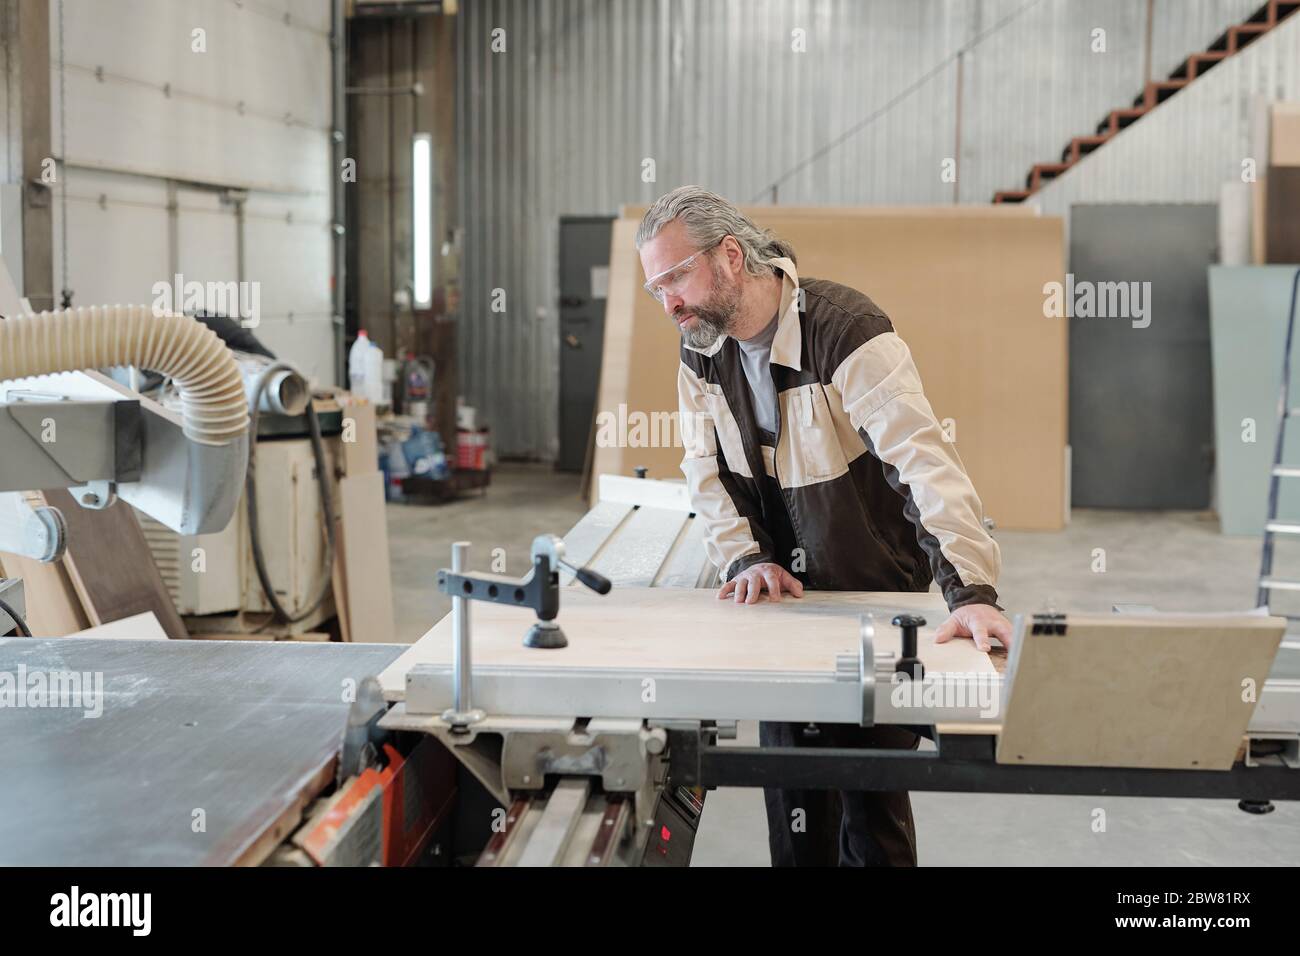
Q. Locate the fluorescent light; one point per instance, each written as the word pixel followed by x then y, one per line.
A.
pixel 422 217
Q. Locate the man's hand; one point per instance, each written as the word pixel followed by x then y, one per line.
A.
pixel 980 621
pixel 747 586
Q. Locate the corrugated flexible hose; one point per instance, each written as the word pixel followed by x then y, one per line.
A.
pixel 214 409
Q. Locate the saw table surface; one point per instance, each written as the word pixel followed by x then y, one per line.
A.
pixel 243 731
pixel 689 628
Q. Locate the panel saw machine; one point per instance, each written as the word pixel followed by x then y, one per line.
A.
pixel 594 769
pixel 579 714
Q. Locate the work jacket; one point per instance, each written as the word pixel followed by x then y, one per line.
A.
pixel 860 491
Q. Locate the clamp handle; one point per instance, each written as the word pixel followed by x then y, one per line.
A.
pixel 592 579
pixel 909 663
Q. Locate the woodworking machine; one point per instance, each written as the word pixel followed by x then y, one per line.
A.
pixel 531 763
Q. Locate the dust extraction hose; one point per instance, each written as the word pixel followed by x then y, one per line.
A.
pixel 213 406
pixel 272 373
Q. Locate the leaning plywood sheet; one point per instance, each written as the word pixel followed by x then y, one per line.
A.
pixel 363 541
pixel 111 566
pixel 689 628
pixel 965 291
pixel 53 607
pixel 1160 691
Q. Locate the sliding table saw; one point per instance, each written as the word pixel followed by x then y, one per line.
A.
pixel 599 751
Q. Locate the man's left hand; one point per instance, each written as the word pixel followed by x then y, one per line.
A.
pixel 980 621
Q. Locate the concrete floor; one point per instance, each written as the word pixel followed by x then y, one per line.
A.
pixel 1172 560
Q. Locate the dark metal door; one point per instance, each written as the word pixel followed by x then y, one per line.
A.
pixel 584 283
pixel 1141 403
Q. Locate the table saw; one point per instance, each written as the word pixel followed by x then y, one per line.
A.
pixel 600 751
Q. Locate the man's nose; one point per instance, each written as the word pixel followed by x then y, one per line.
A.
pixel 672 302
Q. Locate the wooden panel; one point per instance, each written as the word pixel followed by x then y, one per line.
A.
pixel 111 566
pixel 1284 149
pixel 966 293
pixel 138 627
pixel 681 628
pixel 1281 221
pixel 1162 691
pixel 53 608
pixel 364 541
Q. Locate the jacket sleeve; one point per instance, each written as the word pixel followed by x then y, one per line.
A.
pixel 882 395
pixel 734 537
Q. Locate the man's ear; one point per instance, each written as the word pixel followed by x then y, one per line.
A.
pixel 735 255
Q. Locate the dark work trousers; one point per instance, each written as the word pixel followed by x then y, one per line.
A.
pixel 838 828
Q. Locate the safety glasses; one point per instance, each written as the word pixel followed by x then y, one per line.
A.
pixel 673 279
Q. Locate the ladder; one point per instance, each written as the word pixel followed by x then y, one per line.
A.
pixel 1272 526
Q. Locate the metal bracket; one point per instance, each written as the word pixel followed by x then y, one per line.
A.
pixel 514 754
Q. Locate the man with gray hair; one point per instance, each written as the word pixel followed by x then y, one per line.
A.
pixel 814 460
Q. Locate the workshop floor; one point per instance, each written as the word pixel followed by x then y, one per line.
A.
pixel 1174 561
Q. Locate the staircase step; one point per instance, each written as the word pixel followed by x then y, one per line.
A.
pixel 1119 119
pixel 1011 195
pixel 1081 146
pixel 1267 14
pixel 1043 173
pixel 1157 93
pixel 1282 527
pixel 1241 37
pixel 1199 63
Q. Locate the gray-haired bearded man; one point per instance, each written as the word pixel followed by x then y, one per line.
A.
pixel 815 461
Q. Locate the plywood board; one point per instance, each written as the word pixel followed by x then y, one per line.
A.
pixel 688 628
pixel 966 293
pixel 1284 135
pixel 111 566
pixel 53 607
pixel 1281 220
pixel 364 541
pixel 359 441
pixel 138 627
pixel 1157 691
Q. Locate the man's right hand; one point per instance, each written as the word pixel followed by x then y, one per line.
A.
pixel 747 586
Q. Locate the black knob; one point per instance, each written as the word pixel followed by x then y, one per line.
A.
pixel 908 662
pixel 594 580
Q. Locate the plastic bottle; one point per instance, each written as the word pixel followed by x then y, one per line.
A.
pixel 359 365
pixel 365 369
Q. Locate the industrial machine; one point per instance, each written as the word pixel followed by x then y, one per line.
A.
pixel 574 764
pixel 579 715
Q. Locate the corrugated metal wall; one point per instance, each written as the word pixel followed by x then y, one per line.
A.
pixel 1186 150
pixel 562 120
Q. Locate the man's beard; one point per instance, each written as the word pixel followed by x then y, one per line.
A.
pixel 715 315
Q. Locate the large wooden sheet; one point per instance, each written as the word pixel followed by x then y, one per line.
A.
pixel 1168 691
pixel 689 628
pixel 965 290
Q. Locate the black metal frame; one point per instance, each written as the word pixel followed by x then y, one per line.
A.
pixel 962 763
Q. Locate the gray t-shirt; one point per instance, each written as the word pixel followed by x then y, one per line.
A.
pixel 755 357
